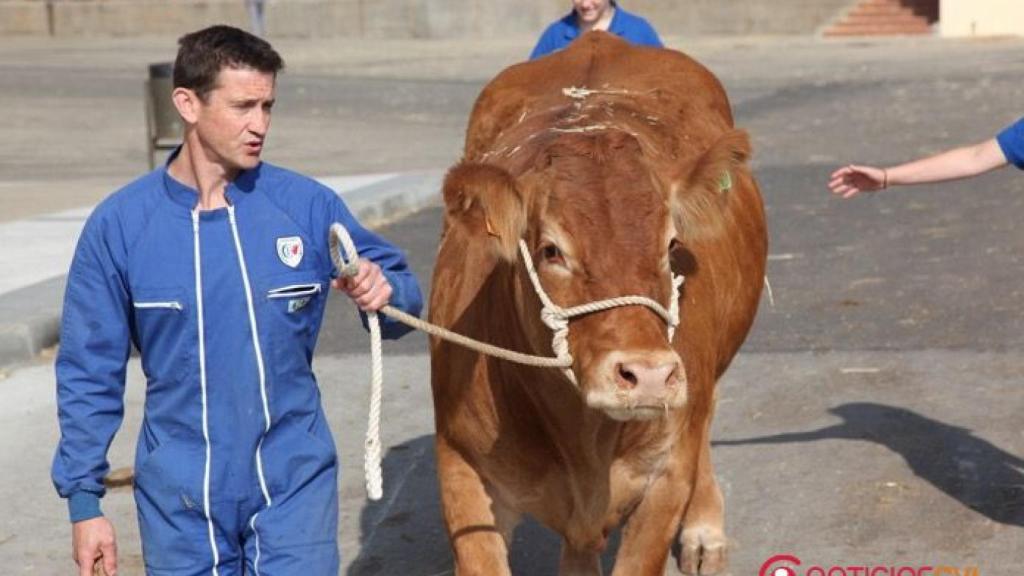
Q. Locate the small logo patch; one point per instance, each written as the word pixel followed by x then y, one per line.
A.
pixel 289 250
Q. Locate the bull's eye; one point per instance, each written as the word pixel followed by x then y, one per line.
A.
pixel 552 254
pixel 674 244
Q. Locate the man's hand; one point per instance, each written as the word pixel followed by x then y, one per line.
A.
pixel 369 288
pixel 93 540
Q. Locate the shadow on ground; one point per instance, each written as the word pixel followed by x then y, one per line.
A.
pixel 967 468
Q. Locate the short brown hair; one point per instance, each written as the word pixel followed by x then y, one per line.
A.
pixel 202 55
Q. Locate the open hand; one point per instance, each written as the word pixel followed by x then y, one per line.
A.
pixel 850 180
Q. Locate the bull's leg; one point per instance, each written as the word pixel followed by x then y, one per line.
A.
pixel 476 529
pixel 648 534
pixel 578 562
pixel 702 539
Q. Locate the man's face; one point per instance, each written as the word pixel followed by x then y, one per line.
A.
pixel 233 121
pixel 590 11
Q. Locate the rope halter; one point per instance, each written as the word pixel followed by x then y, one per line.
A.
pixel 557 318
pixel 554 317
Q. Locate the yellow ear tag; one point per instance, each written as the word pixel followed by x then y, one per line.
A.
pixel 725 182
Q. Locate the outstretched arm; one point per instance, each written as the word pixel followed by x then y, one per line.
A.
pixel 950 165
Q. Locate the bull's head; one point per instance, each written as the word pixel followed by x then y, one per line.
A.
pixel 599 223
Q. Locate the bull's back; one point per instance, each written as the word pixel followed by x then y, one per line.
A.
pixel 667 83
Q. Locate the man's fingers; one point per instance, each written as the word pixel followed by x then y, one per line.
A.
pixel 86 562
pixel 364 285
pixel 109 558
pixel 362 274
pixel 375 299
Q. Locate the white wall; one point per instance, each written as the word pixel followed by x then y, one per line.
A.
pixel 958 18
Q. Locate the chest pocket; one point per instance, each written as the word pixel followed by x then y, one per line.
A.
pixel 298 296
pixel 162 332
pixel 294 299
pixel 293 305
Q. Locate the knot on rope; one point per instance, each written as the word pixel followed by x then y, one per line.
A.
pixel 673 305
pixel 556 319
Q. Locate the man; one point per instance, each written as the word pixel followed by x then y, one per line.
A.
pixel 964 162
pixel 590 15
pixel 215 267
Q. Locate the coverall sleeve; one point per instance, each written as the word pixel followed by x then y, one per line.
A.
pixel 406 295
pixel 94 346
pixel 1011 140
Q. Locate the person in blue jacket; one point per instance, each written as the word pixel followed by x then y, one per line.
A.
pixel 216 267
pixel 590 15
pixel 1007 147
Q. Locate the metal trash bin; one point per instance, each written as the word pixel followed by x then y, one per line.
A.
pixel 164 129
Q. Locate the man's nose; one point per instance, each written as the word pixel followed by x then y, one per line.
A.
pixel 260 123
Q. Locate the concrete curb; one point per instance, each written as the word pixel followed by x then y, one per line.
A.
pixel 30 316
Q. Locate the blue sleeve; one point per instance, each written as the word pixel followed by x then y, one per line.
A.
pixel 90 368
pixel 1011 140
pixel 406 295
pixel 546 44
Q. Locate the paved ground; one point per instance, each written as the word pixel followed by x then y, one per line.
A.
pixel 875 416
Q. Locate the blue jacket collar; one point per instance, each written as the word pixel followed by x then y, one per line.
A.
pixel 237 191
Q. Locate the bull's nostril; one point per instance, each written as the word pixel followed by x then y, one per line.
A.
pixel 627 379
pixel 673 378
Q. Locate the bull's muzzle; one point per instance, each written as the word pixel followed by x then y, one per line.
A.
pixel 638 386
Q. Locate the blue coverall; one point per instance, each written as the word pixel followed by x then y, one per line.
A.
pixel 235 463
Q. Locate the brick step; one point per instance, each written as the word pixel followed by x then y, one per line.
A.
pixel 928 8
pixel 885 18
pixel 877 30
pixel 871 19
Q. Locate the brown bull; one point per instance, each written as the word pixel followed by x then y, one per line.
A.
pixel 617 165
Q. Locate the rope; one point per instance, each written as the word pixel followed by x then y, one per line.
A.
pixel 554 317
pixel 557 318
pixel 371 455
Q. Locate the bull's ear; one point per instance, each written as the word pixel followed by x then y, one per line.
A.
pixel 699 197
pixel 484 200
pixel 717 168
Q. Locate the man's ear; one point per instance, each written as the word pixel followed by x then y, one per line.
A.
pixel 187 103
pixel 484 201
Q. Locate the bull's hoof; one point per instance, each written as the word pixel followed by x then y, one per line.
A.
pixel 702 552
